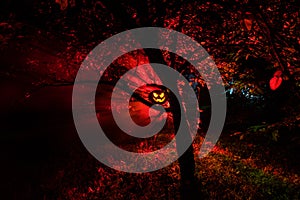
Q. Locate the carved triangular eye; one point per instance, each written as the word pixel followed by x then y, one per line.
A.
pixel 162 95
pixel 155 94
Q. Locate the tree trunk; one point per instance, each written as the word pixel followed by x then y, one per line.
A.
pixel 186 161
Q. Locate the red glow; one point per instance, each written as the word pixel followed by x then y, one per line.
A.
pixel 276 81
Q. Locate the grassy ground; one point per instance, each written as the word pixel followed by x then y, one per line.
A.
pixel 235 169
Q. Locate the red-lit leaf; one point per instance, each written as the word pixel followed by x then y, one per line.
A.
pixel 63 4
pixel 248 24
pixel 275 82
pixel 278 73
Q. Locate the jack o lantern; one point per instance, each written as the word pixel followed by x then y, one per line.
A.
pixel 158 96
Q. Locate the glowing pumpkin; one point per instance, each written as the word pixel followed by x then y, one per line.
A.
pixel 158 96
